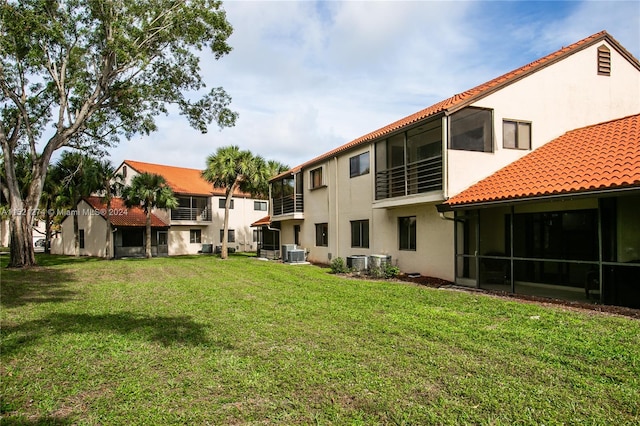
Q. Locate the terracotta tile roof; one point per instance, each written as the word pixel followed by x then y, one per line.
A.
pixel 181 180
pixel 463 99
pixel 262 222
pixel 122 215
pixel 604 156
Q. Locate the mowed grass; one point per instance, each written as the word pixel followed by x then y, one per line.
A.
pixel 198 340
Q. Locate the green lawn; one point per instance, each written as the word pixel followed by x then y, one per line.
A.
pixel 198 340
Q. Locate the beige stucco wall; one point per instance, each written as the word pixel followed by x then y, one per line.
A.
pixel 241 217
pixel 561 97
pixel 95 230
pixel 346 199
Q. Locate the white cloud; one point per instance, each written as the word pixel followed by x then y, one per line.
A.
pixel 307 77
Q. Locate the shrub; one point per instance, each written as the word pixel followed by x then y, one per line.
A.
pixel 391 271
pixel 338 266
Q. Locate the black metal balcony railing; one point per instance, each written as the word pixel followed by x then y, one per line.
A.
pixel 414 178
pixel 187 213
pixel 288 204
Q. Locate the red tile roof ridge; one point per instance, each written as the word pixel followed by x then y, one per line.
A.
pixel 462 99
pixel 182 180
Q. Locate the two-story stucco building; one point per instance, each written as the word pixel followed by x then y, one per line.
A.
pixel 387 192
pixel 195 225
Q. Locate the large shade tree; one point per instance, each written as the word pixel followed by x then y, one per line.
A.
pixel 233 169
pixel 149 191
pixel 83 74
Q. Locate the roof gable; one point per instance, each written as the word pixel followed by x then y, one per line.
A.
pixel 466 98
pixel 603 156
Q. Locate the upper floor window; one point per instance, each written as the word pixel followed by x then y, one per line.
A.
pixel 315 176
pixel 471 130
pixel 124 171
pixel 604 60
pixel 222 202
pixel 407 233
pixel 260 206
pixel 360 233
pixel 322 234
pixel 516 134
pixel 359 165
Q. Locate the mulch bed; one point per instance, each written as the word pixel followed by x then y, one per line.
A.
pixel 545 301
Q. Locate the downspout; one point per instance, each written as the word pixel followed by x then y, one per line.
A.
pixel 337 223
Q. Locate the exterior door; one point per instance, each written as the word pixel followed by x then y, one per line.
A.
pixel 163 243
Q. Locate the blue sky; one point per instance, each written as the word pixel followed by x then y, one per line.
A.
pixel 306 77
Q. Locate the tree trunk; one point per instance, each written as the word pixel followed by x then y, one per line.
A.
pixel 47 227
pixel 22 253
pixel 224 252
pixel 21 243
pixel 148 236
pixel 107 245
pixel 76 234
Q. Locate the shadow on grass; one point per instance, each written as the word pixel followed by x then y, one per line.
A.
pixel 41 421
pixel 34 285
pixel 166 330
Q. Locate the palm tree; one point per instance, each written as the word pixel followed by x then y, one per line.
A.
pixel 78 179
pixel 232 169
pixel 149 191
pixel 111 184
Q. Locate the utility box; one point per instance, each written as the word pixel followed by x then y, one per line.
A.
pixel 379 260
pixel 285 250
pixel 295 256
pixel 358 262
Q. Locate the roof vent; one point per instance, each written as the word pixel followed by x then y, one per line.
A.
pixel 604 60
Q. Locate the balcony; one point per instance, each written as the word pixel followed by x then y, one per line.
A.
pixel 191 214
pixel 291 204
pixel 414 178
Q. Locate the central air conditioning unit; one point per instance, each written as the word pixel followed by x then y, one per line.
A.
pixel 285 250
pixel 358 262
pixel 295 256
pixel 379 260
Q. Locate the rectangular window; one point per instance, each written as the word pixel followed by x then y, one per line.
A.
pixel 359 165
pixel 516 134
pixel 315 176
pixel 231 236
pixel 322 234
pixel 81 237
pixel 260 206
pixel 471 130
pixel 407 233
pixel 360 233
pixel 195 236
pixel 222 201
pixel 255 235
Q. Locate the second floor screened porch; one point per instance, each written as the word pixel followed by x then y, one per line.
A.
pixel 410 162
pixel 286 196
pixel 190 208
